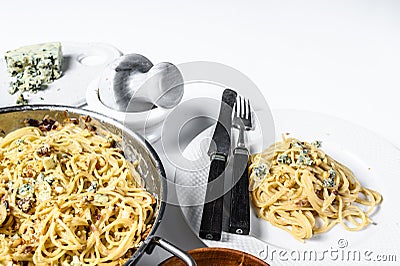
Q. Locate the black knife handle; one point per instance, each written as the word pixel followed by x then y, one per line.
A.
pixel 239 219
pixel 211 220
pixel 229 97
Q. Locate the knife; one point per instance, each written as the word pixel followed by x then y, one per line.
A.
pixel 211 220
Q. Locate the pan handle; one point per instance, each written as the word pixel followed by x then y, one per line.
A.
pixel 164 244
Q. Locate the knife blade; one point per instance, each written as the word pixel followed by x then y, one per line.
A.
pixel 211 220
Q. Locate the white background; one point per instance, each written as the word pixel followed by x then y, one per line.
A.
pixel 336 57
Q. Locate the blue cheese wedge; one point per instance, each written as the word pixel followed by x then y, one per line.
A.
pixel 31 67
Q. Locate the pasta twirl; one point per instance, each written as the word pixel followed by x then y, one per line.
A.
pixel 297 187
pixel 69 197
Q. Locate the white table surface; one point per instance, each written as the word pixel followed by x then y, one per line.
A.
pixel 341 58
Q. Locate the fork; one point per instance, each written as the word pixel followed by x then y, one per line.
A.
pixel 239 219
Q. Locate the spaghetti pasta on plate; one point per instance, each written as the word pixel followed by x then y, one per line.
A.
pixel 300 189
pixel 373 160
pixel 69 197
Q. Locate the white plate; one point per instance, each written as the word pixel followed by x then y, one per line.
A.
pixel 376 163
pixel 82 63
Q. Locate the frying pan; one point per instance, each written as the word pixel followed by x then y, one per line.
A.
pixel 134 146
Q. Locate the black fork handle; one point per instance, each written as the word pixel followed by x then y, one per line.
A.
pixel 239 219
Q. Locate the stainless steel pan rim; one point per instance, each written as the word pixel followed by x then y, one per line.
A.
pixel 151 241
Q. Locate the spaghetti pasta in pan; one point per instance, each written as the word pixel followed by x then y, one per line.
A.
pixel 68 195
pixel 77 188
pixel 300 189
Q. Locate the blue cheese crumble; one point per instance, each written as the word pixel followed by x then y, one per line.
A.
pixel 43 178
pixel 31 67
pixel 316 143
pixel 304 159
pixel 330 181
pixel 92 187
pixel 25 190
pixel 284 159
pixel 260 170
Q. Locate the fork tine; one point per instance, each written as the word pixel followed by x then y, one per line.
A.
pixel 242 107
pixel 243 110
pixel 247 108
pixel 237 107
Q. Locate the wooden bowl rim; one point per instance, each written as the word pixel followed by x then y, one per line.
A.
pixel 223 250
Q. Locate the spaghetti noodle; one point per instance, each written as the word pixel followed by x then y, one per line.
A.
pixel 69 197
pixel 298 188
